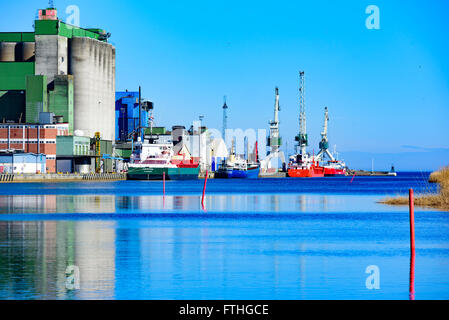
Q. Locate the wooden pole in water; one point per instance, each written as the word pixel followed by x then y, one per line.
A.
pixel 204 189
pixel 412 244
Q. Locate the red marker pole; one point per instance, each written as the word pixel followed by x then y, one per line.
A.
pixel 163 183
pixel 412 244
pixel 412 276
pixel 412 221
pixel 204 189
pixel 353 177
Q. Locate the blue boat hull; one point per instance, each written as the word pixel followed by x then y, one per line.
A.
pixel 230 174
pixel 252 173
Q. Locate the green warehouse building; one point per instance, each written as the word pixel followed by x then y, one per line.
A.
pixel 60 69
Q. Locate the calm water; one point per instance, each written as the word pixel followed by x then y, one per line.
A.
pixel 255 239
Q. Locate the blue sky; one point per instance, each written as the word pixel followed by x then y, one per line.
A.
pixel 387 90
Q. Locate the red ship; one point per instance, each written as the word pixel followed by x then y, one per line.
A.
pixel 304 167
pixel 335 168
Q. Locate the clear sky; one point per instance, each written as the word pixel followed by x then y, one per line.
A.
pixel 387 90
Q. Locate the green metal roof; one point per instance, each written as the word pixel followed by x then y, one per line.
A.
pixel 16 36
pixel 57 27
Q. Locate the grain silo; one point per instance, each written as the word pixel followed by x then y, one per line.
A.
pixel 8 51
pixel 92 64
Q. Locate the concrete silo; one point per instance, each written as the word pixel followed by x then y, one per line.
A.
pixel 28 51
pixel 92 63
pixel 8 51
pixel 51 56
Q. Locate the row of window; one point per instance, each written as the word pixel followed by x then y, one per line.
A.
pixel 27 142
pixel 28 127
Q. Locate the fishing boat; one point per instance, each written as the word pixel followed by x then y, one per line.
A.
pixel 304 167
pixel 153 161
pixel 236 167
pixel 233 167
pixel 253 163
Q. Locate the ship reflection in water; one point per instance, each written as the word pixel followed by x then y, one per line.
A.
pixel 245 246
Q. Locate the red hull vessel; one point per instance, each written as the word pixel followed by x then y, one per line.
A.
pixel 312 172
pixel 335 168
pixel 334 172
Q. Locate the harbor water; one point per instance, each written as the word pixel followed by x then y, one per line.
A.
pixel 254 239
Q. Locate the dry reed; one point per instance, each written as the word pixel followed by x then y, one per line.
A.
pixel 439 200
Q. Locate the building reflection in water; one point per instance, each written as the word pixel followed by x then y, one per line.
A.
pixel 98 204
pixel 128 257
pixel 34 257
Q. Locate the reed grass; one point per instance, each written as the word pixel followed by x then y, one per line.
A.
pixel 439 200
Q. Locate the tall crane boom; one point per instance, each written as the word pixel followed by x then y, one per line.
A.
pixel 277 108
pixel 274 140
pixel 326 120
pixel 324 143
pixel 225 118
pixel 302 138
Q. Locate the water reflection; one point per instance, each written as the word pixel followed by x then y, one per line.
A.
pixel 318 247
pixel 34 257
pixel 163 258
pixel 234 203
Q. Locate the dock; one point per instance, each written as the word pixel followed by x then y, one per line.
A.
pixel 273 175
pixel 24 178
pixel 363 173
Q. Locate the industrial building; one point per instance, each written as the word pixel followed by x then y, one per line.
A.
pixel 73 154
pixel 128 114
pixel 77 154
pixel 61 69
pixel 23 163
pixel 33 138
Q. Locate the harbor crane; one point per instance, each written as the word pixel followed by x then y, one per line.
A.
pixel 324 144
pixel 302 137
pixel 274 141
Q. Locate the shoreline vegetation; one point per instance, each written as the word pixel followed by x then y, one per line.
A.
pixel 439 200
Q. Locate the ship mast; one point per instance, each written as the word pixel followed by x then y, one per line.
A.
pixel 302 138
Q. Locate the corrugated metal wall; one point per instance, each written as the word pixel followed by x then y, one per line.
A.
pixel 61 99
pixel 13 75
pixel 36 97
